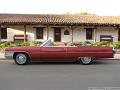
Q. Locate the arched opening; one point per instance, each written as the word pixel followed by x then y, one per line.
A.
pixel 66 32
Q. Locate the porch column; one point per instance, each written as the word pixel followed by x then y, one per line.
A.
pixel 0 32
pixel 72 33
pixel 25 33
pixel 117 34
pixel 48 32
pixel 94 33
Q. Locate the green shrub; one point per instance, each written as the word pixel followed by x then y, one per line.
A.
pixel 74 44
pixel 66 43
pixel 103 43
pixel 13 44
pixel 25 44
pixel 116 45
pixel 52 44
pixel 4 44
pixel 35 43
pixel 86 43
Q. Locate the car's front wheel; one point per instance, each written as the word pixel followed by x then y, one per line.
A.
pixel 21 59
pixel 86 60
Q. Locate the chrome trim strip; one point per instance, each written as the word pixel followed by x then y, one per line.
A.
pixel 11 57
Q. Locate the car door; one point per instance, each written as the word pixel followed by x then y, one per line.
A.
pixel 73 52
pixel 52 53
pixel 34 52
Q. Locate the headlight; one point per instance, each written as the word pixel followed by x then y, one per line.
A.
pixel 9 55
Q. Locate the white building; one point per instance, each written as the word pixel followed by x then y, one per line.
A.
pixel 59 28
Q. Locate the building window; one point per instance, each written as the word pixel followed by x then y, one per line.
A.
pixel 39 33
pixel 3 33
pixel 66 32
pixel 89 33
pixel 119 35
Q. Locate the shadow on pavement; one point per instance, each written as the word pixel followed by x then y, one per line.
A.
pixel 98 62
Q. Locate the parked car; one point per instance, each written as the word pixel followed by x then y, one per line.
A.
pixel 45 53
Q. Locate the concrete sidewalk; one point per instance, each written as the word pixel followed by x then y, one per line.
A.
pixel 2 56
pixel 117 56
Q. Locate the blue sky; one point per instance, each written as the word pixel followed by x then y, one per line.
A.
pixel 98 7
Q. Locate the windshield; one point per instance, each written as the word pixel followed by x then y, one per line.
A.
pixel 46 43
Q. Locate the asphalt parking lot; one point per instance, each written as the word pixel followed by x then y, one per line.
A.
pixel 59 76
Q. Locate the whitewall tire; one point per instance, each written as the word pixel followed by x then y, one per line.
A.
pixel 21 59
pixel 86 60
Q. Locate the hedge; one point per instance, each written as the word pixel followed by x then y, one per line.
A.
pixel 116 45
pixel 14 44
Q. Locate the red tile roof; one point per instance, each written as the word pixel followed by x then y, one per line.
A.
pixel 57 19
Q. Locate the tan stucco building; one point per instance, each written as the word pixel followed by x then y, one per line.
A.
pixel 59 28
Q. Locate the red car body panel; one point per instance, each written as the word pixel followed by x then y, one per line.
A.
pixel 70 53
pixel 89 51
pixel 48 53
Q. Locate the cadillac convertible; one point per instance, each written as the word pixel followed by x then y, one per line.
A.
pixel 45 53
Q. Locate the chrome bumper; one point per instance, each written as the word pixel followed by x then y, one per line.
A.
pixel 9 55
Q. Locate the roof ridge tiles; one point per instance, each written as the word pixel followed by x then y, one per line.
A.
pixel 57 18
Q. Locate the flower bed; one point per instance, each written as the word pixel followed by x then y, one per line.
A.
pixel 116 45
pixel 13 44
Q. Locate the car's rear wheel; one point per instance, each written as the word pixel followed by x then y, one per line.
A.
pixel 86 60
pixel 21 59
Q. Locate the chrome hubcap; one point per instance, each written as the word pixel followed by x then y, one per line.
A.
pixel 21 58
pixel 86 60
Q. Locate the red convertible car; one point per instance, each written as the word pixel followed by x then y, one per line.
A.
pixel 44 53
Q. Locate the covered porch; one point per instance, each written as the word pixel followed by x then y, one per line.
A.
pixel 61 33
pixel 59 28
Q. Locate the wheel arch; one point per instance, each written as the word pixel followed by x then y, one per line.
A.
pixel 26 53
pixel 93 58
pixel 82 62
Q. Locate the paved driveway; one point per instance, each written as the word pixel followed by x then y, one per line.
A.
pixel 59 76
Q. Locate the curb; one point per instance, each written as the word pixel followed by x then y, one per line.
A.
pixel 2 59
